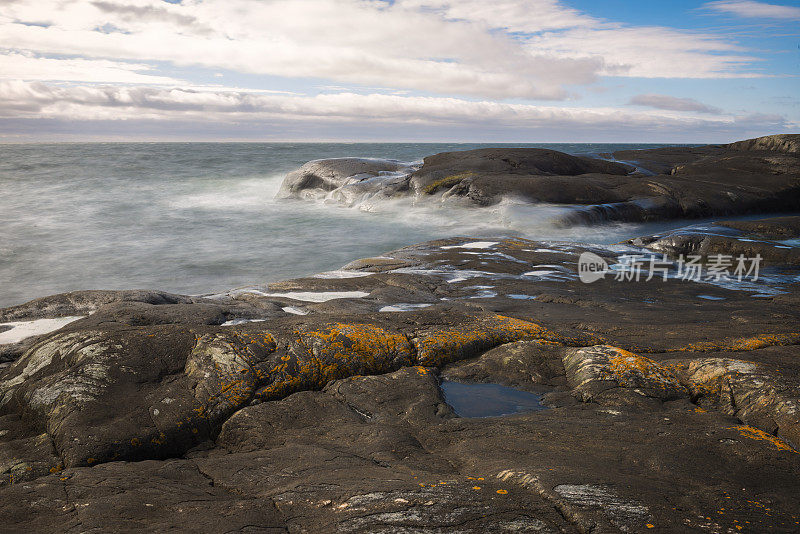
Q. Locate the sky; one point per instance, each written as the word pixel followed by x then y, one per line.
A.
pixel 398 70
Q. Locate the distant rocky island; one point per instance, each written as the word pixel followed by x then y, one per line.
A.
pixel 669 403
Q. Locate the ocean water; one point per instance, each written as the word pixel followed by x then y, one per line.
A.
pixel 198 218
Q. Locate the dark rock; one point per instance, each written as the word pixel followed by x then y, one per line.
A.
pixel 750 391
pixel 755 176
pixel 706 242
pixel 485 175
pixel 593 372
pixel 776 143
pixel 772 228
pixel 154 416
pixel 526 365
pixel 85 302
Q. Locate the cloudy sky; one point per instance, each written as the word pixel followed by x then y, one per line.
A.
pixel 398 70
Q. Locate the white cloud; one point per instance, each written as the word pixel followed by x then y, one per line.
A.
pixel 40 100
pixel 673 103
pixel 750 9
pixel 512 15
pixel 649 52
pixel 20 66
pixel 530 49
pixel 110 60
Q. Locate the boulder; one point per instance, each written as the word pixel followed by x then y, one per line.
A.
pixel 319 177
pixel 593 372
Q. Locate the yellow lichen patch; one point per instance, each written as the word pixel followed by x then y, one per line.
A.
pixel 442 346
pixel 476 487
pixel 744 343
pixel 447 181
pixel 502 492
pixel 516 243
pixel 629 369
pixel 338 350
pixel 754 433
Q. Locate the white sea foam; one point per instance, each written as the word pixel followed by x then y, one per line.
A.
pixel 295 310
pixel 485 294
pixel 319 296
pixel 234 322
pixel 341 274
pixel 474 244
pixel 24 329
pixel 403 307
pixel 193 221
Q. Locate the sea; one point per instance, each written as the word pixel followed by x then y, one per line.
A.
pixel 200 218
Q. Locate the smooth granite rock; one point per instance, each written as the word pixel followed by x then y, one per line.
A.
pixel 754 176
pixel 672 405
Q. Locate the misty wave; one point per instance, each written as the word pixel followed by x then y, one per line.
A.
pixel 199 218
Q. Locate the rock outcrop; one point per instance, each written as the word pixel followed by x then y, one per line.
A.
pixel 235 412
pixel 789 143
pixel 755 176
pixel 349 178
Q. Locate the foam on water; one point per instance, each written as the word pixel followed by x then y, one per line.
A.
pixel 403 307
pixel 318 296
pixel 234 322
pixel 342 274
pixel 475 244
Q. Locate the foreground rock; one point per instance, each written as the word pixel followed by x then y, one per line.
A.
pixel 314 404
pixel 753 176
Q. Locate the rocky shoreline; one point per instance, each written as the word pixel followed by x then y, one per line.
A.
pixel 672 404
pixel 754 176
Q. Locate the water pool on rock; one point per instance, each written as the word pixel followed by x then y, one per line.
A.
pixel 488 400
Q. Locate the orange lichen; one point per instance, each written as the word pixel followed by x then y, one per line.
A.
pixel 446 345
pixel 628 369
pixel 754 433
pixel 645 367
pixel 338 350
pixel 517 243
pixel 744 343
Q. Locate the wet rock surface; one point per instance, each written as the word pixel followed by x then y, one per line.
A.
pixel 753 176
pixel 313 405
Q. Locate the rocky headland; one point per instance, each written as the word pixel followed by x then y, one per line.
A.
pixel 670 404
pixel 754 176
